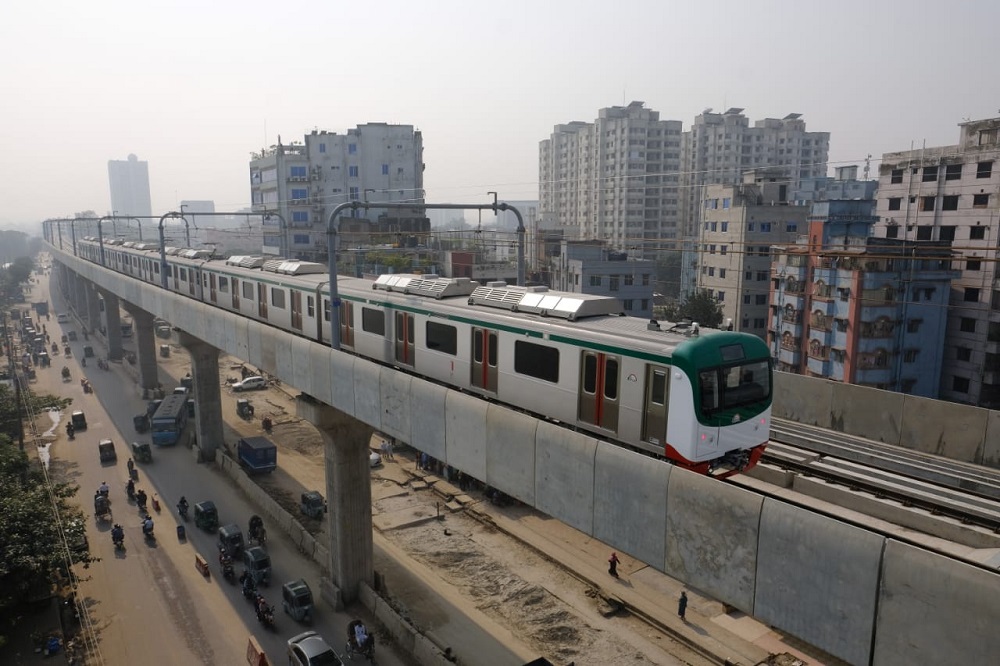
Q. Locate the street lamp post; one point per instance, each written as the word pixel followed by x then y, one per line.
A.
pixel 163 247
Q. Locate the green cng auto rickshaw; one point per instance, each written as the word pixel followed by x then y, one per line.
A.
pixel 297 600
pixel 206 516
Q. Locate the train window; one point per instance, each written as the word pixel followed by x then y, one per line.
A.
pixel 326 309
pixel 477 345
pixel 372 321
pixel 156 268
pixel 492 352
pixel 442 338
pixel 658 389
pixel 310 306
pixel 611 379
pixel 536 361
pixel 278 298
pixel 590 373
pixel 709 381
pixel 744 384
pixel 223 284
pixel 184 275
pixel 248 290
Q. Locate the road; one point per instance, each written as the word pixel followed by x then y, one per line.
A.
pixel 150 604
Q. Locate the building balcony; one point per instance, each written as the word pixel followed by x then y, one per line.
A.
pixel 818 366
pixel 874 376
pixel 789 356
pixel 794 328
pixel 825 338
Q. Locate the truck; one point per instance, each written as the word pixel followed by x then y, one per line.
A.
pixel 41 308
pixel 257 455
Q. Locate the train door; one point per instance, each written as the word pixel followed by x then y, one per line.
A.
pixel 654 412
pixel 262 300
pixel 296 309
pixel 192 280
pixel 211 286
pixel 484 359
pixel 346 323
pixel 234 284
pixel 599 386
pixel 404 338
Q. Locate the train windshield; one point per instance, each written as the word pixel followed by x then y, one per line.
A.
pixel 734 386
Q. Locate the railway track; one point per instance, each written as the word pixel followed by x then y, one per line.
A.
pixel 967 493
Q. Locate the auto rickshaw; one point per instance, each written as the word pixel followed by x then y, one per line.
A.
pixel 206 516
pixel 141 423
pixel 102 507
pixel 244 409
pixel 88 351
pixel 297 600
pixel 67 351
pixel 231 539
pixel 65 338
pixel 44 360
pixel 313 504
pixel 79 420
pixel 72 336
pixel 141 452
pixel 258 564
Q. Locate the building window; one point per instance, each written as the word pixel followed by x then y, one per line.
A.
pixel 949 202
pixel 353 193
pixel 897 176
pixel 913 325
pixel 895 203
pixel 892 232
pixel 963 353
pixel 980 200
pixel 613 283
pixel 322 147
pixel 711 249
pixel 960 384
pixel 645 303
pixel 722 273
pixel 373 321
pixel 791 228
pixel 300 216
pixel 300 193
pixel 627 303
pixel 953 172
pixel 930 174
pixel 724 226
pixel 300 239
pixel 748 275
pixel 723 249
pixel 536 361
pixel 927 203
pixel 442 338
pixel 352 172
pixel 352 149
pixel 973 265
pixel 750 226
pixel 726 202
pixel 984 170
pixel 759 322
pixel 595 280
pixel 967 325
pixel 760 299
pixel 977 233
pixel 765 227
pixel 385 169
pixel 924 232
pixel 645 279
pixel 746 299
pixel 720 296
pixel 987 137
pixel 910 355
pixel 971 295
pixel 297 172
pixel 947 232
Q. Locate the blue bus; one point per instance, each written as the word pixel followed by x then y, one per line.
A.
pixel 169 420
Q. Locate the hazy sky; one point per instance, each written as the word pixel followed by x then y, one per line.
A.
pixel 195 87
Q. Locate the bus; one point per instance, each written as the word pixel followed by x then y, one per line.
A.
pixel 126 329
pixel 169 420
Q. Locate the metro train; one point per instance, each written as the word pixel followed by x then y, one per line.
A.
pixel 699 398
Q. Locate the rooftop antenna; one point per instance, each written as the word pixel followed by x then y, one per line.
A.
pixel 868 165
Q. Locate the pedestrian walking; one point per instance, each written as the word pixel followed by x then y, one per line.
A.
pixel 682 605
pixel 613 564
pixel 386 450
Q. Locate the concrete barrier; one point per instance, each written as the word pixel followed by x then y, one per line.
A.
pixel 465 425
pixel 631 510
pixel 427 420
pixel 367 398
pixel 943 428
pixel 394 388
pixel 722 559
pixel 935 610
pixel 803 399
pixel 817 579
pixel 510 452
pixel 868 412
pixel 991 443
pixel 564 475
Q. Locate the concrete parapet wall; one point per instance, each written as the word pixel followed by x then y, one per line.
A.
pixel 803 399
pixel 510 452
pixel 935 610
pixel 943 428
pixel 631 489
pixel 395 394
pixel 564 476
pixel 817 578
pixel 722 560
pixel 465 418
pixel 991 441
pixel 868 412
pixel 427 422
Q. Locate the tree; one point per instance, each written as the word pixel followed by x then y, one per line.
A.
pixel 10 415
pixel 43 534
pixel 702 308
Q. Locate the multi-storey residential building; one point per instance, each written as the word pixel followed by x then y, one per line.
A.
pixel 591 267
pixel 614 180
pixel 129 180
pixel 305 181
pixel 740 223
pixel 858 309
pixel 950 193
pixel 719 147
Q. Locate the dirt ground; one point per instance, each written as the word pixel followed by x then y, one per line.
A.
pixel 553 612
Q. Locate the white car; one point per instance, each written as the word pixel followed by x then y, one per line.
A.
pixel 309 649
pixel 250 384
pixel 62 317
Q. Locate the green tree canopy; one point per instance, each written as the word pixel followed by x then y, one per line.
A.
pixel 702 308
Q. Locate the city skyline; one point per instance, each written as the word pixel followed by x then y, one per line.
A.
pixel 196 113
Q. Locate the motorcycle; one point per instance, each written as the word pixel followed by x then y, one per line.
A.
pixel 130 490
pixel 102 364
pixel 65 374
pixel 265 613
pixel 140 499
pixel 249 588
pixel 182 509
pixel 226 562
pixel 118 537
pixel 147 531
pixel 70 431
pixel 156 504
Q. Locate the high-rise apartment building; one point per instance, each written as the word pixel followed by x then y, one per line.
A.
pixel 129 180
pixel 303 182
pixel 858 309
pixel 739 225
pixel 614 180
pixel 719 147
pixel 950 194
